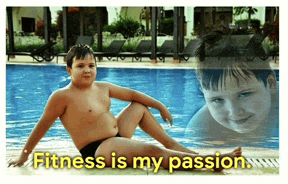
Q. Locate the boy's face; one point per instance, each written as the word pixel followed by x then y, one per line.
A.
pixel 83 71
pixel 240 108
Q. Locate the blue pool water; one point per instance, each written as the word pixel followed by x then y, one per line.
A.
pixel 28 88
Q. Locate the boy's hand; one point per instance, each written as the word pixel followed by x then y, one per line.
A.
pixel 166 115
pixel 20 161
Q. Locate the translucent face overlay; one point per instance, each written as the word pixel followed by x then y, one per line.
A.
pixel 83 71
pixel 242 107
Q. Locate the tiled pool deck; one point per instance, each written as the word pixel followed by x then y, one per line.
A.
pixel 257 153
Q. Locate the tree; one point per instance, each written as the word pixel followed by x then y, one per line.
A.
pixel 40 30
pixel 272 28
pixel 167 26
pixel 248 9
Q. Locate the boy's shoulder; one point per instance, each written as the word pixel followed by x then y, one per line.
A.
pixel 103 84
pixel 60 93
pixel 204 123
pixel 201 118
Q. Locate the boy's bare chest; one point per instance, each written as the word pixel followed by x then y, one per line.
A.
pixel 90 103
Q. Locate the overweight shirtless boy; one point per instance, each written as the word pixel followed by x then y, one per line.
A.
pixel 83 107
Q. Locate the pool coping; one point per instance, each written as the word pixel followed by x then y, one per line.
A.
pixel 127 63
pixel 247 152
pixel 108 66
pixel 123 66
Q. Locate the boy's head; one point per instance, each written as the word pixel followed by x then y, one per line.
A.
pixel 237 92
pixel 78 52
pixel 81 65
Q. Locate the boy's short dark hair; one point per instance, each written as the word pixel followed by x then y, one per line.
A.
pixel 212 71
pixel 211 78
pixel 80 52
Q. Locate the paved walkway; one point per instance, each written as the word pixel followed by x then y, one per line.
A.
pixel 146 63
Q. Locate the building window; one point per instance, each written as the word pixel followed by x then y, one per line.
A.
pixel 168 13
pixel 28 24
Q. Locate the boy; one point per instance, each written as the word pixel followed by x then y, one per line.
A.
pixel 241 96
pixel 83 108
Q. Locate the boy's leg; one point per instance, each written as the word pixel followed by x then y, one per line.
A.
pixel 138 114
pixel 124 147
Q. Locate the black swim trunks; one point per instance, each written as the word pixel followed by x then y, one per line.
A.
pixel 90 149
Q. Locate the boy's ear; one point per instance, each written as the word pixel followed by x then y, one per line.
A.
pixel 68 69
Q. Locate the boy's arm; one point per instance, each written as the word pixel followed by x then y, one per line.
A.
pixel 54 108
pixel 130 95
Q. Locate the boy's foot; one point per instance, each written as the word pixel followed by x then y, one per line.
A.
pixel 236 153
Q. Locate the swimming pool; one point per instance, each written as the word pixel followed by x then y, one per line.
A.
pixel 28 88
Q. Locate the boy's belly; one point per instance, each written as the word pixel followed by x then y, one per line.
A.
pixel 91 129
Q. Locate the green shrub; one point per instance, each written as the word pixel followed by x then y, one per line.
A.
pixel 125 26
pixel 58 49
pixel 253 22
pixel 167 26
pixel 112 29
pixel 130 46
pixel 27 48
pixel 269 46
pixel 95 48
